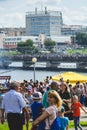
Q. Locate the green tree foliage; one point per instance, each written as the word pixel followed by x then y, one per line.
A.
pixel 26 47
pixel 49 44
pixel 29 43
pixel 81 38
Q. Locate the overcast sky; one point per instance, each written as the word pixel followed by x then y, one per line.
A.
pixel 12 12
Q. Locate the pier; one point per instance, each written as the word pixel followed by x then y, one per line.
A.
pixel 48 61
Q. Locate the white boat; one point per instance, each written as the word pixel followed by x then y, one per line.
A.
pixel 39 65
pixel 67 65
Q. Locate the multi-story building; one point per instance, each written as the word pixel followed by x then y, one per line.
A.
pixel 2 35
pixel 10 42
pixel 43 22
pixel 13 31
pixel 73 30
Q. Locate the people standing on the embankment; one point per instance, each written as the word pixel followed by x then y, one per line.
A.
pixel 75 108
pixel 37 109
pixel 49 113
pixel 66 97
pixel 64 121
pixel 53 86
pixel 13 104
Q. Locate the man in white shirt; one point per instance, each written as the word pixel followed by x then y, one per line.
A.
pixel 13 105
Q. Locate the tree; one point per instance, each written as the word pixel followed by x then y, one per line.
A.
pixel 49 44
pixel 26 47
pixel 29 43
pixel 81 38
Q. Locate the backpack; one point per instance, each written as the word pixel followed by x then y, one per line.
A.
pixel 56 124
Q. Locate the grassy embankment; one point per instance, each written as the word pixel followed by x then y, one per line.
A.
pixel 5 126
pixel 77 51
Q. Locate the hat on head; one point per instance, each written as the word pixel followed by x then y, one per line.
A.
pixel 37 95
pixel 61 109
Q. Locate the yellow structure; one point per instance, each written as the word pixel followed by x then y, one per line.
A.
pixel 72 76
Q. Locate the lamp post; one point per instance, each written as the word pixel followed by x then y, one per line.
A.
pixel 34 60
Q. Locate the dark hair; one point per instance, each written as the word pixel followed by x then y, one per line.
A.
pixel 53 84
pixel 13 85
pixel 67 87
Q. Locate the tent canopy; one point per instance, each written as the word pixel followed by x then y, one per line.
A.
pixel 72 76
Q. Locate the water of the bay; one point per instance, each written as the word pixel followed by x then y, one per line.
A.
pixel 20 75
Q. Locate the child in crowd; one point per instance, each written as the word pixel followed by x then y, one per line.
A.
pixel 37 108
pixel 29 96
pixel 75 108
pixel 64 121
pixel 30 100
pixel 55 102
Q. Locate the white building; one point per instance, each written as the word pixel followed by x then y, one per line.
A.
pixel 2 35
pixel 12 41
pixel 61 39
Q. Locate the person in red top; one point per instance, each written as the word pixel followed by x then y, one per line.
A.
pixel 75 107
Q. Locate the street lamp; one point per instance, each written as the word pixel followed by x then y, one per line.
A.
pixel 34 60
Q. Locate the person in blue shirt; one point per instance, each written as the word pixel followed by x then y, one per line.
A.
pixel 37 108
pixel 64 121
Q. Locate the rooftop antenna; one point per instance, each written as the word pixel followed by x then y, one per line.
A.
pixel 41 5
pixel 35 10
pixel 45 10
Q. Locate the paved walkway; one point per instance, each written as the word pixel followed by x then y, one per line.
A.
pixel 83 118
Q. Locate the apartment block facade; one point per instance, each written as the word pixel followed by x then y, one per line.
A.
pixel 43 22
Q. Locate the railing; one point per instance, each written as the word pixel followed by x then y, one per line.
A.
pixel 67 58
pixel 47 57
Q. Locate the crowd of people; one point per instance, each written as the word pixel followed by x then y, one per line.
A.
pixel 49 104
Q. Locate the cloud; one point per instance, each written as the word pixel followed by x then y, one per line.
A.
pixel 43 1
pixel 2 0
pixel 78 16
pixel 40 4
pixel 2 9
pixel 72 13
pixel 13 20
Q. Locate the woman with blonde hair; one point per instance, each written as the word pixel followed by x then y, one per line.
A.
pixel 55 102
